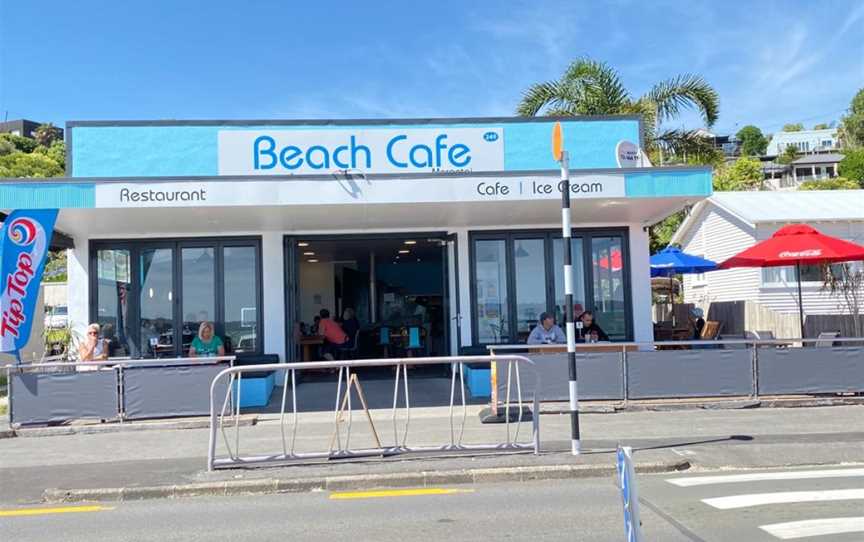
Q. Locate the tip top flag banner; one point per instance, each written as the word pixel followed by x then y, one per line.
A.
pixel 24 242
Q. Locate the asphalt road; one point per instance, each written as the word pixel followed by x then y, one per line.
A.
pixel 720 506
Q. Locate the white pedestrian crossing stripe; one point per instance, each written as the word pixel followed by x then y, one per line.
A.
pixel 815 527
pixel 783 497
pixel 765 476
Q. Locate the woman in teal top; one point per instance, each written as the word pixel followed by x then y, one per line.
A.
pixel 206 344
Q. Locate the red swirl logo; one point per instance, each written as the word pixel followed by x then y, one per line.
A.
pixel 22 231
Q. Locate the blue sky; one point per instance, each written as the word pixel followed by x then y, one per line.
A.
pixel 771 62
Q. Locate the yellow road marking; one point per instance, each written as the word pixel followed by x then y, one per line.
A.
pixel 345 495
pixel 13 512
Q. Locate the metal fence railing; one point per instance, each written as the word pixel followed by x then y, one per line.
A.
pixel 340 447
pixel 680 369
pixel 115 389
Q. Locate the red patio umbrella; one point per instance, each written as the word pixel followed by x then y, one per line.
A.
pixel 796 244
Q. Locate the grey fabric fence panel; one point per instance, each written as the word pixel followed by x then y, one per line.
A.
pixel 180 390
pixel 52 397
pixel 601 376
pixel 689 373
pixel 811 370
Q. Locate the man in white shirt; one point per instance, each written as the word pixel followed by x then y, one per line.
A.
pixel 547 332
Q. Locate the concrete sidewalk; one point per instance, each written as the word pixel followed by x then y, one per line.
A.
pixel 154 463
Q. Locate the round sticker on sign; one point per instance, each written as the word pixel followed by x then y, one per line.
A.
pixel 627 154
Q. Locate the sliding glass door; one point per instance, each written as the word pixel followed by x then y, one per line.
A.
pixel 152 296
pixel 517 276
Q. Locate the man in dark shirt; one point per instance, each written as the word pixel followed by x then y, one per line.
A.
pixel 590 330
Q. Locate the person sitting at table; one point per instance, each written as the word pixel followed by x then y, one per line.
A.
pixel 207 343
pixel 590 330
pixel 547 332
pixel 697 322
pixel 334 336
pixel 94 347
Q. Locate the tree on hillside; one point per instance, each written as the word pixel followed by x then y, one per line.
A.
pixel 851 131
pixel 836 183
pixel 589 87
pixel 797 127
pixel 21 143
pixel 743 174
pixel 821 126
pixel 46 134
pixel 852 166
pixel 753 143
pixel 20 164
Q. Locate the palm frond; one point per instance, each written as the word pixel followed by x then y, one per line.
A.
pixel 550 94
pixel 685 91
pixel 597 85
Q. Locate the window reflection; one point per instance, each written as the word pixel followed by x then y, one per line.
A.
pixel 157 301
pixel 240 275
pixel 608 270
pixel 112 310
pixel 578 277
pixel 491 288
pixel 530 277
pixel 198 266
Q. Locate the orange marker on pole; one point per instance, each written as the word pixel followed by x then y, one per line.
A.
pixel 557 142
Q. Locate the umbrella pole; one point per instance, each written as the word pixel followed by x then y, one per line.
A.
pixel 672 301
pixel 800 300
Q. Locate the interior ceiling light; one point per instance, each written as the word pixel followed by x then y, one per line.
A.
pixel 404 252
pixel 310 253
pixel 302 244
pixel 409 242
pixel 312 260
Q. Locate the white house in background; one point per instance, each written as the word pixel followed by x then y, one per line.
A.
pixel 805 141
pixel 729 222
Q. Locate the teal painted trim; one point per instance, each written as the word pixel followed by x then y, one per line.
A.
pixel 176 151
pixel 47 196
pixel 668 184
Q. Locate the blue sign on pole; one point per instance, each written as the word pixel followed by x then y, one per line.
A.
pixel 629 495
pixel 24 242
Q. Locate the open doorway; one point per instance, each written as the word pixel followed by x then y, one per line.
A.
pixel 390 294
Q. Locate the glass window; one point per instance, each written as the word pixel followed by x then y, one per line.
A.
pixel 156 301
pixel 491 291
pixel 530 277
pixel 787 274
pixel 610 312
pixel 578 277
pixel 240 273
pixel 113 283
pixel 198 267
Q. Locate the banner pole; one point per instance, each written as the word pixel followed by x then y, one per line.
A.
pixel 569 317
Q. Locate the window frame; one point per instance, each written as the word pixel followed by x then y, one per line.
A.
pixel 548 235
pixel 176 244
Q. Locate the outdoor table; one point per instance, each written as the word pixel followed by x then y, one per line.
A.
pixel 307 343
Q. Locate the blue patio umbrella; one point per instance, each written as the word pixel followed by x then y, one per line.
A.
pixel 671 261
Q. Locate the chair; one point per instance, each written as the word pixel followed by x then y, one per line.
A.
pixel 384 340
pixel 826 339
pixel 711 331
pixel 351 351
pixel 414 342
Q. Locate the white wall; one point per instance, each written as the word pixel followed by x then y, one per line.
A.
pixel 273 287
pixel 316 281
pixel 640 284
pixel 719 235
pixel 78 285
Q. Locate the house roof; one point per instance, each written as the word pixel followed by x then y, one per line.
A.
pixel 783 207
pixel 828 158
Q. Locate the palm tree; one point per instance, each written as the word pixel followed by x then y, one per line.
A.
pixel 589 87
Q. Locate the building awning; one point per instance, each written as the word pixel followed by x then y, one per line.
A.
pixel 155 206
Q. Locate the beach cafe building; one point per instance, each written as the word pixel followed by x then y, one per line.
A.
pixel 442 235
